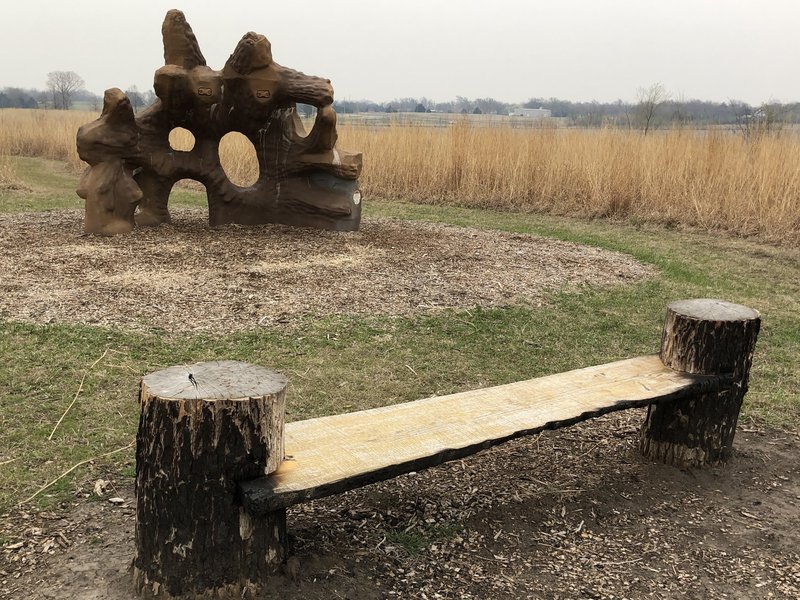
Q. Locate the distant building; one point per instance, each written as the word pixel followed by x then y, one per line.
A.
pixel 534 113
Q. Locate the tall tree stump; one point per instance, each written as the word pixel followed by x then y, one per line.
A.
pixel 202 429
pixel 707 337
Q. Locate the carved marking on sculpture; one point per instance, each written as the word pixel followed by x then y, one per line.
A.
pixel 303 179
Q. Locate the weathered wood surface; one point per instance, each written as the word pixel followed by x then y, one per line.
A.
pixel 709 337
pixel 203 428
pixel 333 454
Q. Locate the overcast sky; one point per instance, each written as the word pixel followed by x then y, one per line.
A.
pixel 511 50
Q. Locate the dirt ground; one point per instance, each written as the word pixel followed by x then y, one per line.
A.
pixel 570 514
pixel 575 513
pixel 188 278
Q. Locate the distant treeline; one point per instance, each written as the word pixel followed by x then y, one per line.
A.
pixel 593 114
pixel 14 97
pixel 11 97
pixel 585 114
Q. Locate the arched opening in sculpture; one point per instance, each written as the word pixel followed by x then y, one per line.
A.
pixel 238 159
pixel 181 139
pixel 186 193
pixel 307 115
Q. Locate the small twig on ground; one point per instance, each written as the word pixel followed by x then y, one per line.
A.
pixel 80 388
pixel 5 462
pixel 617 563
pixel 71 469
pixel 299 374
pixel 590 450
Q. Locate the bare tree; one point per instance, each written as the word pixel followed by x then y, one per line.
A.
pixel 625 109
pixel 649 99
pixel 462 104
pixel 62 85
pixel 135 97
pixel 756 122
pixel 148 97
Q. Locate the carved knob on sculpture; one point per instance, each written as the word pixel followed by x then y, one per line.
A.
pixel 180 44
pixel 113 135
pixel 253 52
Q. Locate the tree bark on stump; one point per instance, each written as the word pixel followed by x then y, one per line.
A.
pixel 707 337
pixel 202 429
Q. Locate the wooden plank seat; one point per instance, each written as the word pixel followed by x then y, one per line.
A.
pixel 333 454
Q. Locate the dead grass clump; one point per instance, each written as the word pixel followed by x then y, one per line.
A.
pixel 43 133
pixel 8 178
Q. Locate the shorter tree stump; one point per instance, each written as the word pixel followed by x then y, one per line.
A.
pixel 706 337
pixel 204 428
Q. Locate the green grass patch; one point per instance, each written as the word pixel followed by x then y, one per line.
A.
pixel 52 186
pixel 417 539
pixel 338 364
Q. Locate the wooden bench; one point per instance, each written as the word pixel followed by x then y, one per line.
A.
pixel 205 441
pixel 330 455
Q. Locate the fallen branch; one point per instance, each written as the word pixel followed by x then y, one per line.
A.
pixel 71 469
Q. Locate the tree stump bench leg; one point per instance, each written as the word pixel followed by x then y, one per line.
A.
pixel 202 429
pixel 707 337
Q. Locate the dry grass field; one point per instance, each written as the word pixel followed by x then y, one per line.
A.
pixel 714 180
pixel 711 179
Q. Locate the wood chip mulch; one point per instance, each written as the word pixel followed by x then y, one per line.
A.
pixel 566 515
pixel 186 277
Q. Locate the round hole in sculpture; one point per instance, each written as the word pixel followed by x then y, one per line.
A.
pixel 181 139
pixel 238 158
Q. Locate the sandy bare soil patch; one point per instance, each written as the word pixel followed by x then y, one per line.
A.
pixel 186 277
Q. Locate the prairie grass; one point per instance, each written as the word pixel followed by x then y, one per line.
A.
pixel 708 179
pixel 42 133
pixel 711 179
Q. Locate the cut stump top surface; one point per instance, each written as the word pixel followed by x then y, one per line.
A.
pixel 215 380
pixel 713 310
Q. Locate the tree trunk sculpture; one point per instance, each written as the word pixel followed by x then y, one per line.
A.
pixel 304 180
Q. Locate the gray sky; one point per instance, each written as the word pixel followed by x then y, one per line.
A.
pixel 511 50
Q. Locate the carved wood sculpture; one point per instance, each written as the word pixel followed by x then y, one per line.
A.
pixel 303 179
